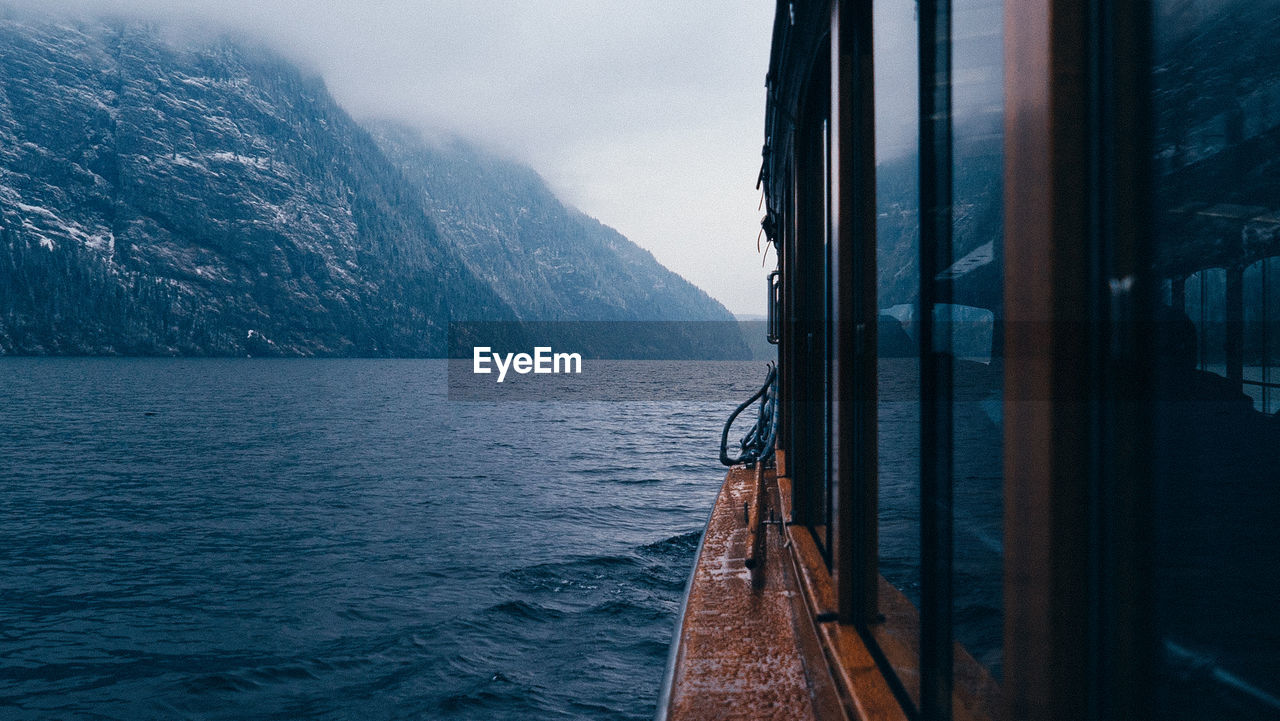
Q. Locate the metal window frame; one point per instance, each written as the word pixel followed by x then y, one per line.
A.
pixel 934 87
pixel 853 223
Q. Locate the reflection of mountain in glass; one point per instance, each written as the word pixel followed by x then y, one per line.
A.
pixel 1217 89
pixel 977 222
pixel 1218 135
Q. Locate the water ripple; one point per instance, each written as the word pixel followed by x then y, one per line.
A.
pixel 235 539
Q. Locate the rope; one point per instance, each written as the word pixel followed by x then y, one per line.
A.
pixel 757 444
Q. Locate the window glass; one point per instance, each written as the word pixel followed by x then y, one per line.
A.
pixel 971 327
pixel 1216 483
pixel 897 297
pixel 1204 303
pixel 1261 317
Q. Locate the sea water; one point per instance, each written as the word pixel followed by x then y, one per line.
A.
pixel 337 539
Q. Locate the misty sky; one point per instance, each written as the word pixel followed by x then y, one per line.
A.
pixel 647 115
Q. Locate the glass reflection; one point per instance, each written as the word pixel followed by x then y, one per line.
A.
pixel 973 324
pixel 1217 233
pixel 897 297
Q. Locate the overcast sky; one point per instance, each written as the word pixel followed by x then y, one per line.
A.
pixel 647 115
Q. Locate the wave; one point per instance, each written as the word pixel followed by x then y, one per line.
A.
pixel 524 611
pixel 681 544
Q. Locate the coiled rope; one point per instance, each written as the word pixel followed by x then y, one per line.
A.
pixel 757 444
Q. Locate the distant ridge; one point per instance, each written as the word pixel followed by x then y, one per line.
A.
pixel 548 261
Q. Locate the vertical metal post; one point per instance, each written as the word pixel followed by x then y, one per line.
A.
pixel 853 233
pixel 1120 291
pixel 935 366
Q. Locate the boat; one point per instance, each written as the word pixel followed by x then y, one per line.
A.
pixel 1017 458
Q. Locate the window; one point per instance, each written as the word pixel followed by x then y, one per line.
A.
pixel 969 326
pixel 1215 477
pixel 939 255
pixel 1261 314
pixel 897 343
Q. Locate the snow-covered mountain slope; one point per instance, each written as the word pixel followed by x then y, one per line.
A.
pixel 165 197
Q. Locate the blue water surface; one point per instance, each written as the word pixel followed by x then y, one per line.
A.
pixel 335 539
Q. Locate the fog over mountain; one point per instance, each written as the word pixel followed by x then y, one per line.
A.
pixel 545 259
pixel 162 196
pixel 645 115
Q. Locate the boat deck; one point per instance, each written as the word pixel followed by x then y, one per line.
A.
pixel 746 631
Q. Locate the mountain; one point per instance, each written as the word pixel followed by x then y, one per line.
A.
pixel 164 197
pixel 165 200
pixel 548 261
pixel 551 263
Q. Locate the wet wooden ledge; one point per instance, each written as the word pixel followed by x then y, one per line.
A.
pixel 747 648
